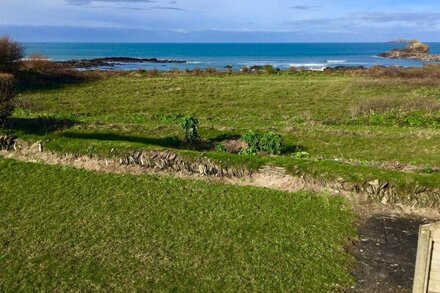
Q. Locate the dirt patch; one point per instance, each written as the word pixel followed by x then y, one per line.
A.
pixel 386 253
pixel 234 146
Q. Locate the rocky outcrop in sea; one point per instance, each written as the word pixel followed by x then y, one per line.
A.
pixel 112 61
pixel 415 50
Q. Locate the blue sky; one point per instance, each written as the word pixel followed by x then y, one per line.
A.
pixel 220 20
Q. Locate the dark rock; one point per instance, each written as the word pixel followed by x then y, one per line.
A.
pixel 343 68
pixel 7 143
pixel 112 61
pixel 254 68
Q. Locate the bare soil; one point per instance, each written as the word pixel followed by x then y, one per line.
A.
pixel 386 253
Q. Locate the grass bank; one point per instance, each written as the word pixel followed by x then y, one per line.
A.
pixel 65 229
pixel 355 127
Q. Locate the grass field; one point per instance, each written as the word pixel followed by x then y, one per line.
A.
pixel 369 122
pixel 312 111
pixel 64 229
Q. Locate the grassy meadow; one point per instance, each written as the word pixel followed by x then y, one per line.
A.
pixel 65 229
pixel 339 119
pixel 74 230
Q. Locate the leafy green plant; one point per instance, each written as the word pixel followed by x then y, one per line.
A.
pixel 91 151
pixel 269 142
pixel 252 139
pixel 220 148
pixel 190 126
pixel 301 155
pixel 171 118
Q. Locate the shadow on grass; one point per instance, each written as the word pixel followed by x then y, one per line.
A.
pixel 291 149
pixel 38 126
pixel 169 141
pixel 223 137
pixel 29 80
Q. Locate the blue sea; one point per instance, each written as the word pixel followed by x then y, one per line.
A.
pixel 314 56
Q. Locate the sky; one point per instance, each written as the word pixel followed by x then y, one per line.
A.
pixel 220 20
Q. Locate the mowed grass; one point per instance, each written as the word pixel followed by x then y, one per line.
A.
pixel 63 229
pixel 311 110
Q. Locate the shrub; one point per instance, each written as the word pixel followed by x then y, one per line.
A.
pixel 245 69
pixel 210 70
pixel 39 63
pixel 220 148
pixel 292 69
pixel 174 70
pixel 271 143
pixel 11 54
pixel 301 155
pixel 197 71
pixel 428 74
pixel 269 69
pixel 190 126
pixel 7 93
pixel 153 73
pixel 252 139
pixel 268 142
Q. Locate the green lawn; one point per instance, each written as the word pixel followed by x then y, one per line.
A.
pixel 312 111
pixel 63 229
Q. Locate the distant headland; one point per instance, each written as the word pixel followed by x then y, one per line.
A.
pixel 414 50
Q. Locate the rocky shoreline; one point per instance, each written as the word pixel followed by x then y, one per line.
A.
pixel 113 61
pixel 415 50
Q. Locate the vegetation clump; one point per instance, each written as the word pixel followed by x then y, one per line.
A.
pixel 269 69
pixel 11 54
pixel 7 93
pixel 190 127
pixel 220 148
pixel 268 142
pixel 301 155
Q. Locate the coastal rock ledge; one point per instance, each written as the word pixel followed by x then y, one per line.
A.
pixel 414 50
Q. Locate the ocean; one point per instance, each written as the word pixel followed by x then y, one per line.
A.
pixel 314 56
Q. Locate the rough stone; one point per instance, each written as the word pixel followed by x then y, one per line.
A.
pixel 415 50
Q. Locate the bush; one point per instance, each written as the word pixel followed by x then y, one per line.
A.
pixel 252 139
pixel 197 71
pixel 245 69
pixel 271 143
pixel 301 155
pixel 426 75
pixel 220 148
pixel 210 70
pixel 268 142
pixel 153 73
pixel 269 69
pixel 7 93
pixel 292 69
pixel 39 63
pixel 190 126
pixel 11 54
